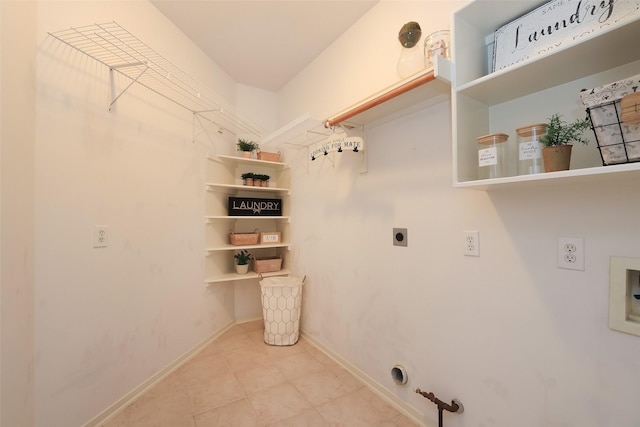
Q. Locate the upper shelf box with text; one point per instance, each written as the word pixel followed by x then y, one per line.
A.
pixel 595 50
pixel 530 85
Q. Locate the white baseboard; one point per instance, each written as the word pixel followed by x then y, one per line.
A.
pixel 402 406
pixel 120 405
pixel 247 320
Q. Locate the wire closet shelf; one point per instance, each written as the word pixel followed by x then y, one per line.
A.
pixel 122 52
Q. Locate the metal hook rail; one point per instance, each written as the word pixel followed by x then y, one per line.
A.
pixel 455 406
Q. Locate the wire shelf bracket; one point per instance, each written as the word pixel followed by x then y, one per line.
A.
pixel 125 54
pixel 115 97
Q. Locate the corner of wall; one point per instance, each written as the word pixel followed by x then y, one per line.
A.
pixel 17 145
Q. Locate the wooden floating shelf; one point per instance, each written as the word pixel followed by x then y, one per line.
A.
pixel 231 277
pixel 233 188
pixel 240 247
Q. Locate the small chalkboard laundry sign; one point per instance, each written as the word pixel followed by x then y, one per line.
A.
pixel 557 24
pixel 250 206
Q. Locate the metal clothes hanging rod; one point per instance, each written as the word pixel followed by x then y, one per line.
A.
pixel 380 98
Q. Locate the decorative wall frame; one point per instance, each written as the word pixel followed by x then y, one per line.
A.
pixel 252 206
pixel 336 143
pixel 270 237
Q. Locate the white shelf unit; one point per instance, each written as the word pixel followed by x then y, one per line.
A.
pixel 530 92
pixel 224 180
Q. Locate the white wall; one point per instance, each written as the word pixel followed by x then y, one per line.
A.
pixel 517 340
pixel 258 106
pixel 361 62
pixel 108 319
pixel 17 145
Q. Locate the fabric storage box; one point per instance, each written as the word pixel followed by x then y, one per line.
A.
pixel 238 239
pixel 618 142
pixel 270 157
pixel 267 265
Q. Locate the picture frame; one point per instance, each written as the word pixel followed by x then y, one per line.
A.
pixel 270 237
pixel 251 206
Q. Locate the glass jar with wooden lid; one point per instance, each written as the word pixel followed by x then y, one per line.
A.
pixel 530 149
pixel 492 155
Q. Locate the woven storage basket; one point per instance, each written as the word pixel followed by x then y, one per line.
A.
pixel 238 239
pixel 270 157
pixel 618 141
pixel 267 265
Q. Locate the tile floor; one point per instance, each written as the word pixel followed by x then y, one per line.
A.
pixel 240 381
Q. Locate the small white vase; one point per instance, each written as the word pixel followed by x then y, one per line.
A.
pixel 242 269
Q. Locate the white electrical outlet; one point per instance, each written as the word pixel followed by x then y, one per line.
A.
pixel 471 243
pixel 100 236
pixel 571 253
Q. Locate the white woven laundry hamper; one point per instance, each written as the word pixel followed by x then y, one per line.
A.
pixel 281 305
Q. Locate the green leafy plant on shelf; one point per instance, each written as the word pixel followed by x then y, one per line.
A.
pixel 559 132
pixel 243 257
pixel 558 142
pixel 247 178
pixel 245 145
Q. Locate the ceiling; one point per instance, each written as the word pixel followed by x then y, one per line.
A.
pixel 263 43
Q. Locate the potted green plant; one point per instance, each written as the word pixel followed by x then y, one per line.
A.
pixel 242 259
pixel 247 178
pixel 265 180
pixel 247 147
pixel 558 141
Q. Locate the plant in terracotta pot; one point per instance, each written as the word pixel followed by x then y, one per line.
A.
pixel 247 178
pixel 242 259
pixel 247 147
pixel 558 142
pixel 257 180
pixel 264 180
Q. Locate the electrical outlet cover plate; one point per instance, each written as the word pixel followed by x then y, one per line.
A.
pixel 100 236
pixel 571 253
pixel 471 243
